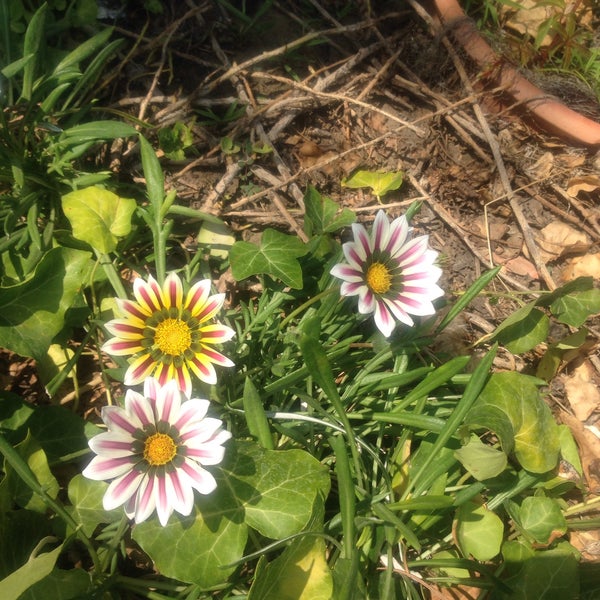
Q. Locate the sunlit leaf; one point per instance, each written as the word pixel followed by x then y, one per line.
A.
pixel 30 573
pixel 523 329
pixel 86 499
pixel 323 215
pixel 380 183
pixel 478 531
pixel 33 312
pixel 481 460
pixel 510 405
pixel 98 217
pixel 574 308
pixel 542 518
pixel 276 256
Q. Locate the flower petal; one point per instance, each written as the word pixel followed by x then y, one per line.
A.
pixel 118 419
pixel 383 319
pixel 216 333
pixel 111 444
pixel 137 405
pixel 197 296
pixel 121 489
pixel 148 295
pixel 139 369
pixel 119 347
pixel 180 492
pixel 145 501
pixel 101 468
pixel 200 478
pixel 164 509
pixel 168 402
pixel 191 412
pixel 172 291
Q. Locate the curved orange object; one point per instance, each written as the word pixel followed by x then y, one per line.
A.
pixel 549 113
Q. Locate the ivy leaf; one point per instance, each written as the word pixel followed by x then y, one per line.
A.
pixel 575 308
pixel 276 256
pixel 271 491
pixel 511 406
pixel 479 531
pixel 86 497
pixel 323 215
pixel 33 312
pixel 98 217
pixel 523 330
pixel 380 183
pixel 481 460
pixel 542 518
pixel 284 486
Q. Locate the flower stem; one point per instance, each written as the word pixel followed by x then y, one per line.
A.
pixel 306 305
pixel 111 274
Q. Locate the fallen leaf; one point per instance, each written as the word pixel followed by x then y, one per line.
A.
pixel 589 450
pixel 521 266
pixel 558 239
pixel 587 265
pixel 582 391
pixel 584 183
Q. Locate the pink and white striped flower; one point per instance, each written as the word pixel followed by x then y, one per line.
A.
pixel 392 275
pixel 154 452
pixel 168 334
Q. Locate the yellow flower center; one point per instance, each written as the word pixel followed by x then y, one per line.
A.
pixel 378 278
pixel 159 449
pixel 173 336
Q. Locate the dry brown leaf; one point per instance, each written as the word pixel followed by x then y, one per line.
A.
pixel 589 450
pixel 584 183
pixel 582 391
pixel 559 239
pixel 587 265
pixel 588 543
pixel 521 266
pixel 542 167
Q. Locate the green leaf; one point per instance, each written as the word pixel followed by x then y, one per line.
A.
pixel 58 430
pixel 271 491
pixel 33 312
pixel 74 584
pixel 283 486
pixel 217 237
pixel 481 460
pixel 380 183
pixel 479 531
pixel 82 51
pixel 86 497
pixel 523 330
pixel 300 573
pixel 276 256
pixel 574 308
pixel 96 131
pixel 98 217
pixel 510 405
pixel 568 448
pixel 24 529
pixel 552 358
pixel 542 518
pixel 254 412
pixel 30 573
pixel 22 494
pixel 323 215
pixel 198 548
pixel 544 574
pixel 31 45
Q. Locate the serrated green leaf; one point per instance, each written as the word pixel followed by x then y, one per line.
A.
pixel 380 183
pixel 98 217
pixel 276 256
pixel 479 531
pixel 511 406
pixel 481 460
pixel 33 312
pixel 323 215
pixel 575 308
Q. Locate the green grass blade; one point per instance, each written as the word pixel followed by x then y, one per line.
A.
pixel 256 419
pixel 471 393
pixel 31 45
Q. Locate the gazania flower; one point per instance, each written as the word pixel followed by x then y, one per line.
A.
pixel 168 335
pixel 154 451
pixel 392 275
